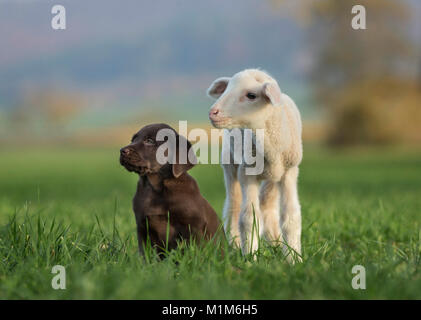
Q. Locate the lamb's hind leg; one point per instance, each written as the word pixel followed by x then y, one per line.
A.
pixel 270 206
pixel 232 205
pixel 291 214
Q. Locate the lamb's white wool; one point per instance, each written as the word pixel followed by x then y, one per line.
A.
pixel 252 99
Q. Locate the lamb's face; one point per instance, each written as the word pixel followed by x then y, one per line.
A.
pixel 242 99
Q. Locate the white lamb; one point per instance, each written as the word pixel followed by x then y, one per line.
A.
pixel 252 99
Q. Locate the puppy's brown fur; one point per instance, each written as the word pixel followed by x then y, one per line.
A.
pixel 166 192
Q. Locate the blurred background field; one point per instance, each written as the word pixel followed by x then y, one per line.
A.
pixel 119 66
pixel 70 99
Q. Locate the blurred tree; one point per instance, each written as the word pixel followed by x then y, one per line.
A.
pixel 45 111
pixel 365 79
pixel 57 108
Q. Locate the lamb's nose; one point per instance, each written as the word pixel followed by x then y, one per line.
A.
pixel 214 112
pixel 124 151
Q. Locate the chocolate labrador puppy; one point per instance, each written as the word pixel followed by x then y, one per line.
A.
pixel 166 192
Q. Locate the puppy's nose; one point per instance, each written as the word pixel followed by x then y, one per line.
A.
pixel 124 151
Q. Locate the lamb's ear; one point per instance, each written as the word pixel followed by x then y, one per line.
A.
pixel 218 87
pixel 187 160
pixel 273 93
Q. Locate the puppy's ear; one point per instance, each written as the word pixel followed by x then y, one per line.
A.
pixel 186 159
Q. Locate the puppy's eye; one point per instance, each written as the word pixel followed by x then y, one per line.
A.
pixel 150 141
pixel 251 95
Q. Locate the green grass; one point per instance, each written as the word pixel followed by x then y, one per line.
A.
pixel 73 208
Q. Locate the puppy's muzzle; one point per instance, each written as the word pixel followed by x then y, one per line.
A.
pixel 130 159
pixel 128 156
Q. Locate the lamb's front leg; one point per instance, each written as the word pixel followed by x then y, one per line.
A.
pixel 250 217
pixel 232 203
pixel 291 214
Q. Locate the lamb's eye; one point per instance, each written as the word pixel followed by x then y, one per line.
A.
pixel 149 141
pixel 251 95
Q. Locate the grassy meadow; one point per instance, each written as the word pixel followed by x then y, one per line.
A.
pixel 72 207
